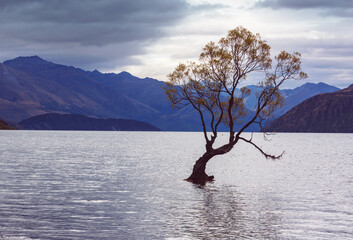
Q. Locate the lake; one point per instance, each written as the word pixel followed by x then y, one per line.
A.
pixel 129 185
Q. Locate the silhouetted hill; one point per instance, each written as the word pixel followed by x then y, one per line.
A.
pixel 330 112
pixel 54 121
pixel 297 95
pixel 5 126
pixel 292 96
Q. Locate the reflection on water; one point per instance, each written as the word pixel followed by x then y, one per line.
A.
pixel 113 185
pixel 223 213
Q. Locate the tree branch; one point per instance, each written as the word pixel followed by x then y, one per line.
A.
pixel 258 148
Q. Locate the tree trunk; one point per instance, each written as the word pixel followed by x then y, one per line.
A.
pixel 198 175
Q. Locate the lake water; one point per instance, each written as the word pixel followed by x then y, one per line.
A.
pixel 129 185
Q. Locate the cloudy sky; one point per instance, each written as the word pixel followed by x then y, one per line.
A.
pixel 149 38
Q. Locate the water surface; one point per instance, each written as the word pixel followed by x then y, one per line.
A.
pixel 128 185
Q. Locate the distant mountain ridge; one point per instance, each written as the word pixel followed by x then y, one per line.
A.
pixel 292 97
pixel 33 86
pixel 329 112
pixel 297 95
pixel 54 121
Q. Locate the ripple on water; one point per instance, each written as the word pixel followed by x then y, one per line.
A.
pixel 128 185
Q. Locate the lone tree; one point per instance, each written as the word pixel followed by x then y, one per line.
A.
pixel 210 87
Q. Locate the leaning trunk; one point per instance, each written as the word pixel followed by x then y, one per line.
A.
pixel 198 174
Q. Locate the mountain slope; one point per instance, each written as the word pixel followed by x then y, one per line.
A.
pixel 150 92
pixel 147 90
pixel 59 88
pixel 52 121
pixel 21 96
pixel 330 112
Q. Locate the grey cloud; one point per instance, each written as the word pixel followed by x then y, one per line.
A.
pixel 89 22
pixel 101 58
pixel 331 46
pixel 88 32
pixel 327 60
pixel 88 58
pixel 340 8
pixel 319 63
pixel 303 4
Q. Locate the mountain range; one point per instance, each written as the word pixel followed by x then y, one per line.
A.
pixel 32 86
pixel 329 112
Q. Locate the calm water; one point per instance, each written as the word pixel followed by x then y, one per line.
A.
pixel 128 185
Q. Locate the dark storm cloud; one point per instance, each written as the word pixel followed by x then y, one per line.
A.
pixel 87 33
pixel 88 22
pixel 342 8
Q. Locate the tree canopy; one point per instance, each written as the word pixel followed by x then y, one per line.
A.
pixel 210 85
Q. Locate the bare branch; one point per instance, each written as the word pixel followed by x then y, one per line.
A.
pixel 273 157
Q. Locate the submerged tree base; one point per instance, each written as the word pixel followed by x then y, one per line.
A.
pixel 198 175
pixel 200 179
